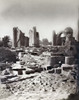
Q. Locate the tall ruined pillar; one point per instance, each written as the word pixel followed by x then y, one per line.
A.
pixel 53 38
pixel 15 37
pixel 34 29
pixel 77 36
pixel 22 37
pixel 34 32
pixel 33 37
pixel 18 37
pixel 36 37
pixel 78 25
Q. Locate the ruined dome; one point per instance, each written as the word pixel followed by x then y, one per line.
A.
pixel 68 30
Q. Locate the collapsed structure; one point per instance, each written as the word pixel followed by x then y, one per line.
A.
pixel 64 46
pixel 63 36
pixel 65 52
pixel 19 38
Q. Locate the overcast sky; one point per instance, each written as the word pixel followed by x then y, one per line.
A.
pixel 46 15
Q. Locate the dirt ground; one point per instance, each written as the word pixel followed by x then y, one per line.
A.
pixel 43 86
pixel 38 86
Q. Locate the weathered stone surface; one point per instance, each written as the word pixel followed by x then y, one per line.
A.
pixel 33 37
pixel 58 70
pixel 69 60
pixel 56 59
pixel 20 72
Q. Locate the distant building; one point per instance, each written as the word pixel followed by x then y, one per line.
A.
pixel 33 37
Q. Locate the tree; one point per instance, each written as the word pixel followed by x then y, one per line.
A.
pixel 1 43
pixel 45 41
pixel 50 43
pixel 6 40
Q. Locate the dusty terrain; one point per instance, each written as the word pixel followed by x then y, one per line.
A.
pixel 39 85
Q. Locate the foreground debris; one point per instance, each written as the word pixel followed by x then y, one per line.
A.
pixel 43 73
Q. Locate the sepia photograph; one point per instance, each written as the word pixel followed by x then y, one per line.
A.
pixel 39 49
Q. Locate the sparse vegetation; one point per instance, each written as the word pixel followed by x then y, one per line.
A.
pixel 1 43
pixel 6 40
pixel 7 55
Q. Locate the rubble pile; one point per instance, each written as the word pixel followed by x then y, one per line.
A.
pixel 42 83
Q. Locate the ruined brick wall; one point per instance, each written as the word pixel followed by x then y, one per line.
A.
pixel 15 36
pixel 31 38
pixel 19 39
pixel 22 39
pixel 36 43
pixel 26 41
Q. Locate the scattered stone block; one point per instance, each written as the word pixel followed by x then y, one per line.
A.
pixel 58 70
pixel 49 67
pixel 51 71
pixel 69 60
pixel 67 68
pixel 56 59
pixel 3 79
pixel 20 72
pixel 30 72
pixel 38 69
